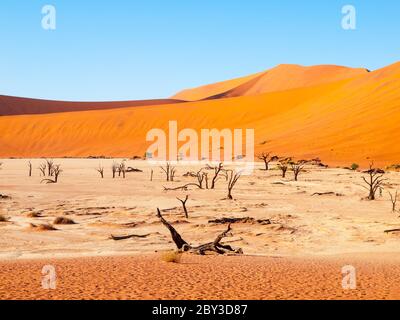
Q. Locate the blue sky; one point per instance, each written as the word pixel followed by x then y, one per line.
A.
pixel 122 50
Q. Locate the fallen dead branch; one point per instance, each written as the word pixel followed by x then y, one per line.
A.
pixel 182 188
pixel 214 246
pixel 392 230
pixel 117 238
pixel 240 220
pixel 331 193
pixel 130 169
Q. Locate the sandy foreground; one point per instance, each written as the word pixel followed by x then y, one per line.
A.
pixel 211 277
pixel 299 255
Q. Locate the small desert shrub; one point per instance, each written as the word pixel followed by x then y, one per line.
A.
pixel 354 166
pixel 63 220
pixel 42 227
pixel 3 218
pixel 33 215
pixel 171 256
pixel 394 167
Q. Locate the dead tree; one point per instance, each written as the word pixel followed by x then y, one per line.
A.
pixel 297 167
pixel 100 170
pixel 265 156
pixel 283 165
pixel 50 164
pixel 122 169
pixel 151 175
pixel 200 178
pixel 30 169
pixel 217 170
pixel 172 173
pixel 42 168
pixel 169 171
pixel 375 180
pixel 114 169
pixel 56 171
pixel 214 246
pixel 393 199
pixel 184 205
pixel 233 177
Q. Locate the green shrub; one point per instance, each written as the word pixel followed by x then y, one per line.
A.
pixel 354 166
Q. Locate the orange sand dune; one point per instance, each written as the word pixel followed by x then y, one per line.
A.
pixel 280 78
pixel 346 121
pixel 17 106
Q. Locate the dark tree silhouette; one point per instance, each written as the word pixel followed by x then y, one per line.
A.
pixel 393 199
pixel 114 169
pixel 169 171
pixel 283 165
pixel 56 171
pixel 297 168
pixel 214 246
pixel 265 156
pixel 42 168
pixel 233 178
pixel 30 169
pixel 100 170
pixel 374 180
pixel 184 205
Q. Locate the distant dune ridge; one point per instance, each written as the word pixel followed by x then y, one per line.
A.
pixel 281 78
pixel 19 106
pixel 342 115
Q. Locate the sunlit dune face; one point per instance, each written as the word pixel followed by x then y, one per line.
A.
pixel 341 122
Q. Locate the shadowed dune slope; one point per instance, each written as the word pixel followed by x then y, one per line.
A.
pixel 281 78
pixel 342 122
pixel 17 106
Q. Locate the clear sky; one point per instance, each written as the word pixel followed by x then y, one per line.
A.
pixel 138 49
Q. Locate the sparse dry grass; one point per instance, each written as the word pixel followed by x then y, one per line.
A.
pixel 63 220
pixel 171 256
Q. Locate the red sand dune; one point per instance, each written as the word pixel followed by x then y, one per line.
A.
pixel 17 106
pixel 343 121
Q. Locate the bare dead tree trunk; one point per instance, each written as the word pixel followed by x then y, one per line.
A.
pixel 169 171
pixel 114 169
pixel 122 169
pixel 233 177
pixel 297 167
pixel 30 169
pixel 42 169
pixel 393 199
pixel 184 205
pixel 214 246
pixel 176 237
pixel 50 164
pixel 56 171
pixel 217 170
pixel 151 175
pixel 265 156
pixel 375 180
pixel 200 178
pixel 172 174
pixel 100 170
